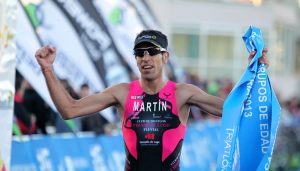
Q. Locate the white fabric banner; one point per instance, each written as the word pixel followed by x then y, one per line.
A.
pixel 7 78
pixel 72 61
pixel 123 24
pixel 124 20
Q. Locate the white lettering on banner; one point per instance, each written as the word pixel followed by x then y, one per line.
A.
pixel 118 161
pixel 267 165
pixel 249 86
pixel 247 106
pixel 97 158
pixel 227 148
pixel 43 159
pixel 263 110
pixel 69 163
pixel 88 24
pixel 149 106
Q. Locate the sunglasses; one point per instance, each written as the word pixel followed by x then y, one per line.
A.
pixel 152 51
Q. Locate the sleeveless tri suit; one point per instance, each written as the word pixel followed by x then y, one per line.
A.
pixel 152 131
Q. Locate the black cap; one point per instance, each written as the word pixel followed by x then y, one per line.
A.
pixel 151 36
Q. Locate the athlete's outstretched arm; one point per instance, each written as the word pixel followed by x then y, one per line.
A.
pixel 65 104
pixel 191 95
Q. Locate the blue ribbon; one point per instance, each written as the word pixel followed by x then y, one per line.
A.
pixel 250 116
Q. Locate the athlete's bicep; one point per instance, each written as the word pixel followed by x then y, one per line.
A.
pixel 207 102
pixel 91 104
pixel 96 102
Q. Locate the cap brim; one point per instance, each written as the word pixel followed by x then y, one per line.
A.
pixel 146 41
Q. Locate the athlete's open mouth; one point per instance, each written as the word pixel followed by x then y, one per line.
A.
pixel 146 67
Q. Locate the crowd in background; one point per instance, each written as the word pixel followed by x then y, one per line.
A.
pixel 286 154
pixel 32 115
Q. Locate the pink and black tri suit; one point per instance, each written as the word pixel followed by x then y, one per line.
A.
pixel 152 129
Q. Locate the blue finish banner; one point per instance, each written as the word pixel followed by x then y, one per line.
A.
pixel 106 153
pixel 250 115
pixel 68 152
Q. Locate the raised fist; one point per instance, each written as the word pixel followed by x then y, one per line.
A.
pixel 45 56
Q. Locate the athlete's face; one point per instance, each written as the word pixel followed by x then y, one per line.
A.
pixel 150 61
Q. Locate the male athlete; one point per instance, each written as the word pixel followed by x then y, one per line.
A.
pixel 153 111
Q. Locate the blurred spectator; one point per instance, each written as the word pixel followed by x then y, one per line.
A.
pixel 95 122
pixel 287 148
pixel 171 74
pixel 36 105
pixel 293 106
pixel 213 87
pixel 226 86
pixel 112 128
pixel 24 119
pixel 195 80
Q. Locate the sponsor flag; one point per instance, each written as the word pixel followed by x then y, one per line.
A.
pixel 96 40
pixel 43 23
pixel 123 25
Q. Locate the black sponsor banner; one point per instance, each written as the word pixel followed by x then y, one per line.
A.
pixel 44 23
pixel 97 40
pixel 69 64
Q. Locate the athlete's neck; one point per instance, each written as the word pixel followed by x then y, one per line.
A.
pixel 152 86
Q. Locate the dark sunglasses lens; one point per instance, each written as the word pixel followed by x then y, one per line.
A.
pixel 141 52
pixel 153 51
